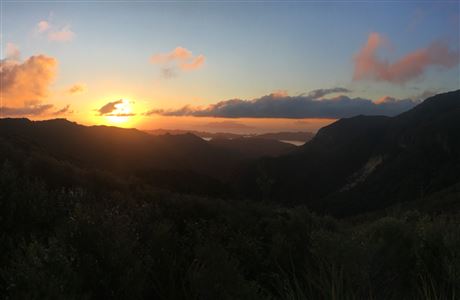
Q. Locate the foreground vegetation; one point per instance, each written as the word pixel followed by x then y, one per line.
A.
pixel 141 243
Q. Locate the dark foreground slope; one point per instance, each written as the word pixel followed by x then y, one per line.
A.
pixel 368 162
pixel 140 243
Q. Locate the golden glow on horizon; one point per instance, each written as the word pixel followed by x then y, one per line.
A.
pixel 234 125
pixel 122 113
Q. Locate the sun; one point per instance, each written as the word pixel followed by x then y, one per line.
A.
pixel 122 113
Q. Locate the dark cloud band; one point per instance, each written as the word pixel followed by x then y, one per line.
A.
pixel 275 106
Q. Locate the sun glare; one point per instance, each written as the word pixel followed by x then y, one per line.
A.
pixel 122 113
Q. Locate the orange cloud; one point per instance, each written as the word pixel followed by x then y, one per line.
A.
pixel 196 63
pixel 385 99
pixel 178 54
pixel 410 66
pixel 26 83
pixel 280 94
pixel 178 59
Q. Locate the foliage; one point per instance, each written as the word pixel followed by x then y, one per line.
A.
pixel 140 243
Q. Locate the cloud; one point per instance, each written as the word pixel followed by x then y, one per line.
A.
pixel 196 63
pixel 154 112
pixel 120 114
pixel 179 54
pixel 109 107
pixel 408 67
pixel 178 59
pixel 29 110
pixel 12 52
pixel 27 81
pixel 323 92
pixel 118 108
pixel 43 26
pixel 385 99
pixel 275 106
pixel 55 33
pixel 76 88
pixel 280 94
pixel 63 111
pixel 62 35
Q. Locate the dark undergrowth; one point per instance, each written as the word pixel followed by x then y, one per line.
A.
pixel 72 243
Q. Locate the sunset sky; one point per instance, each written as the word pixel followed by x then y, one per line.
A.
pixel 224 66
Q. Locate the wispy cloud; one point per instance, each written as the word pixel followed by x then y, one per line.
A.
pixel 179 59
pixel 54 32
pixel 194 64
pixel 323 92
pixel 63 111
pixel 61 35
pixel 29 110
pixel 408 67
pixel 284 106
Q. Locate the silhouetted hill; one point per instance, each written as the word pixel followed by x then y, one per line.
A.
pixel 418 155
pixel 202 134
pixel 290 136
pixel 181 162
pixel 104 147
pixel 355 164
pixel 368 162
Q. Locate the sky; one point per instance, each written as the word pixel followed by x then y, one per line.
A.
pixel 237 66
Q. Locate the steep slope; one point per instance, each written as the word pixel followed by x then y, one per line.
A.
pixel 367 162
pixel 318 167
pixel 418 155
